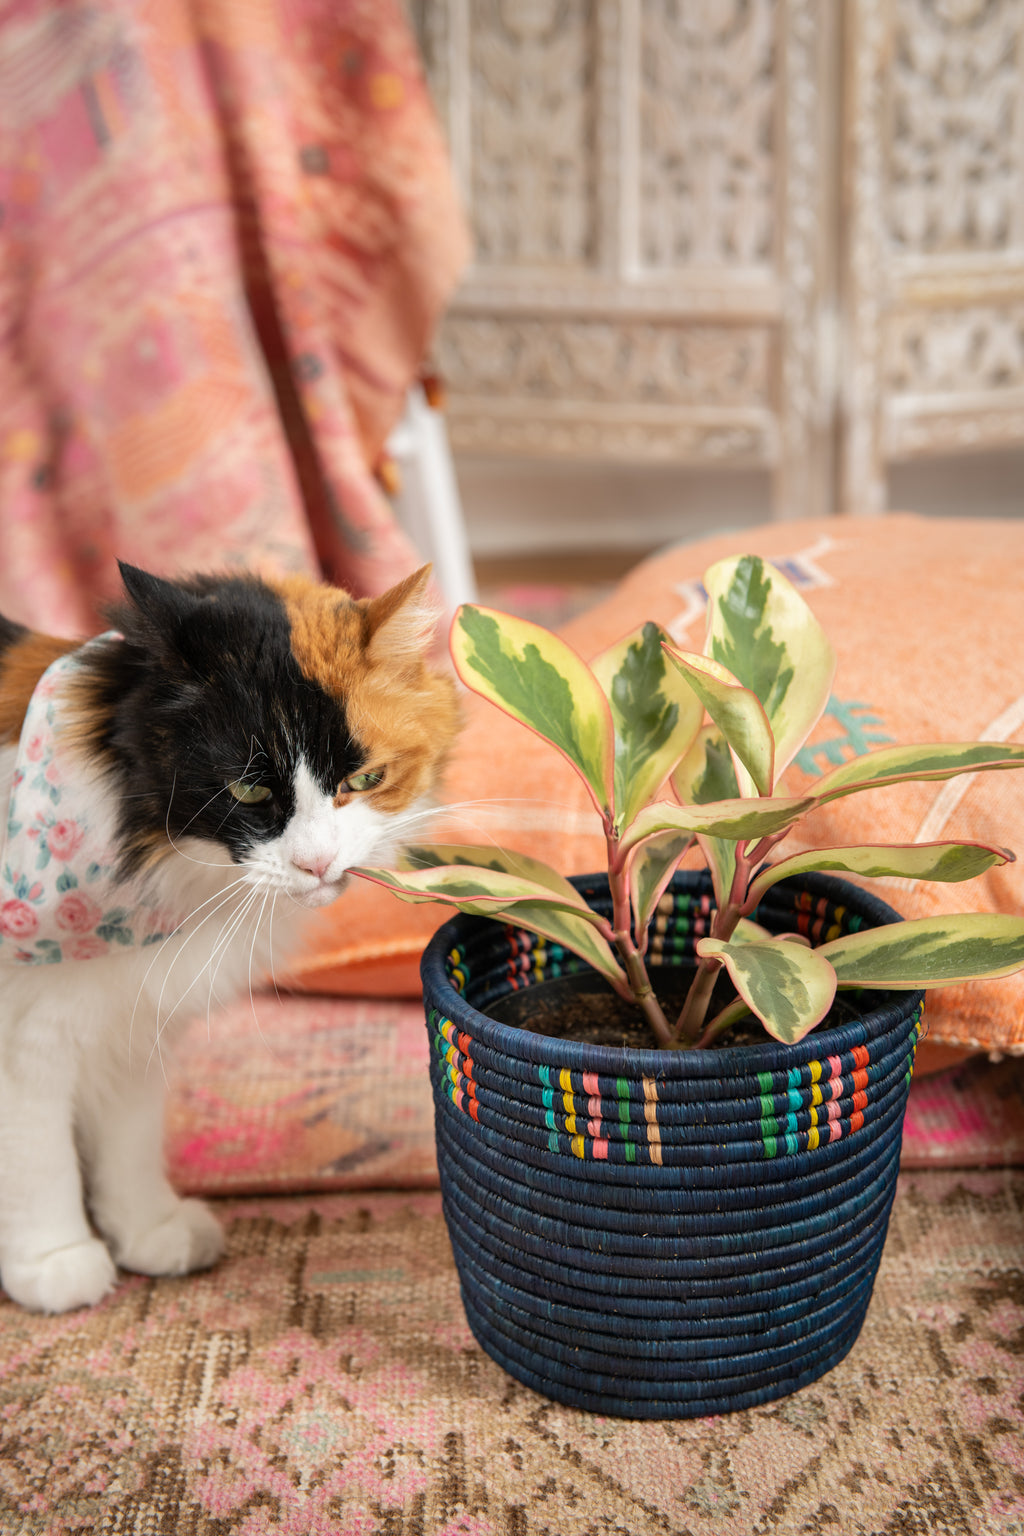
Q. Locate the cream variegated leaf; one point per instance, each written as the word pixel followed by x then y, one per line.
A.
pixel 539 680
pixel 655 712
pixel 762 631
pixel 929 760
pixel 476 888
pixel 928 951
pixel 650 871
pixel 707 773
pixel 788 987
pixel 732 819
pixel 737 712
pixel 417 856
pixel 907 861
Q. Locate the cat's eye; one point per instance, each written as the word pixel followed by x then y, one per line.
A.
pixel 249 794
pixel 359 783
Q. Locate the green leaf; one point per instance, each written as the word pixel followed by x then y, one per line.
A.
pixel 931 760
pixel 908 861
pixel 570 930
pixel 734 819
pixel 929 951
pixel 655 712
pixel 736 710
pixel 707 773
pixel 788 987
pixel 565 919
pixel 760 628
pixel 650 871
pixel 441 855
pixel 538 679
pixel 475 889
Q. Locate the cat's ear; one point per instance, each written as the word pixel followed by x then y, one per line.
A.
pixel 162 602
pixel 164 608
pixel 401 624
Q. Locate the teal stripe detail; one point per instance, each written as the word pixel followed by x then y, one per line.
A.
pixel 795 1100
pixel 545 1076
pixel 553 1142
pixel 794 1078
pixel 791 1145
pixel 549 1120
pixel 549 1097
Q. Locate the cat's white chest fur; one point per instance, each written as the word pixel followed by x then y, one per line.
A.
pixel 82 1047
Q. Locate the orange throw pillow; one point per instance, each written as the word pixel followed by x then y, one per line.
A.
pixel 927 618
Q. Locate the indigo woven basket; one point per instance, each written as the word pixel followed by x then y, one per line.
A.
pixel 664 1234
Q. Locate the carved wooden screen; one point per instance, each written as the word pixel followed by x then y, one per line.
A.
pixel 661 243
pixel 647 203
pixel 934 250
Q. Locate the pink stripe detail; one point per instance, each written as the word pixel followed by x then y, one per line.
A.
pixel 833 1110
pixel 594 1106
pixel 601 1149
pixel 594 1127
pixel 590 1084
pixel 835 1130
pixel 835 1067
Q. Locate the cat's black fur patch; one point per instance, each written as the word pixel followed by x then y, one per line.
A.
pixel 10 634
pixel 203 690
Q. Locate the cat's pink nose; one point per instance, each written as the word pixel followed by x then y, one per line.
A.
pixel 313 864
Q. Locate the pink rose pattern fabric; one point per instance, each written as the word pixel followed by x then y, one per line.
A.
pixel 226 232
pixel 59 897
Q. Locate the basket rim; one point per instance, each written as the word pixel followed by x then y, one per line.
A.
pixel 618 1061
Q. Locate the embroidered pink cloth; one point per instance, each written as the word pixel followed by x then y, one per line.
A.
pixel 228 228
pixel 59 899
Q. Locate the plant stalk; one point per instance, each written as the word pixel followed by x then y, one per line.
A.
pixel 632 959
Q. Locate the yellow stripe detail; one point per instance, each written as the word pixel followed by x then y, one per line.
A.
pixel 577 1145
pixel 815 1070
pixel 651 1116
pixel 812 1138
pixel 815 1094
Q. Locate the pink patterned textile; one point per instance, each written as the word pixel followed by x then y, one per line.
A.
pixel 226 230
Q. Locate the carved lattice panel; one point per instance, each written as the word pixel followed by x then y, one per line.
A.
pixel 641 190
pixel 935 246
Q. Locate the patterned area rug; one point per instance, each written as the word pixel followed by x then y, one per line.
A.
pixel 323 1380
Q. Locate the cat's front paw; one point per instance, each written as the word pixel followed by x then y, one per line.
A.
pixel 190 1238
pixel 77 1276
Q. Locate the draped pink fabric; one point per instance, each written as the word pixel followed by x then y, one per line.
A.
pixel 227 228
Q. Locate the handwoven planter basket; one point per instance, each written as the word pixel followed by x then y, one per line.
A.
pixel 663 1234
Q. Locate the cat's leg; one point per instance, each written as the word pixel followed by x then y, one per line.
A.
pixel 50 1260
pixel 151 1230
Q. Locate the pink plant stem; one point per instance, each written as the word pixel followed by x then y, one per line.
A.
pixel 690 1023
pixel 640 983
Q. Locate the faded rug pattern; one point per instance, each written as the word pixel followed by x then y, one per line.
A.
pixel 322 1382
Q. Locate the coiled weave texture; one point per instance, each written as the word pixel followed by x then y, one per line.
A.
pixel 659 1233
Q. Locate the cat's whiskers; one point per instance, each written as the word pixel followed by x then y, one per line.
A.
pixel 228 928
pixel 207 863
pixel 220 898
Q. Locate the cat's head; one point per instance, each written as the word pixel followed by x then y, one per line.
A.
pixel 281 724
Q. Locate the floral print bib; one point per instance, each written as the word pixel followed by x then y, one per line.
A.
pixel 60 898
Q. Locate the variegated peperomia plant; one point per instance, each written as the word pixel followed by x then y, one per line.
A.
pixel 715 732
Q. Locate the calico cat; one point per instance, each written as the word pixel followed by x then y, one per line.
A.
pixel 180 792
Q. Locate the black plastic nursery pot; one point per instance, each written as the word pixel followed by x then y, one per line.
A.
pixel 664 1234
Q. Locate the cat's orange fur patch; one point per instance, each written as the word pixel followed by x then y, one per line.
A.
pixel 371 655
pixel 21 667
